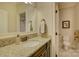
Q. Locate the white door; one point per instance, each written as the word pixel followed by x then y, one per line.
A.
pixel 3 21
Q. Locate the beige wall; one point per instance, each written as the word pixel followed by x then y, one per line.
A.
pixel 66 5
pixel 45 12
pixel 21 7
pixel 75 7
pixel 68 13
pixel 11 9
pixel 76 20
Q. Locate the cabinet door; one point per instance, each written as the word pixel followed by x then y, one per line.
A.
pixel 44 53
pixel 48 49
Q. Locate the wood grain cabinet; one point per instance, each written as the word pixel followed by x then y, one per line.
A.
pixel 44 51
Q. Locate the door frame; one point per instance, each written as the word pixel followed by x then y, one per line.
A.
pixel 57 30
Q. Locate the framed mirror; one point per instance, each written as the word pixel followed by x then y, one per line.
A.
pixel 15 17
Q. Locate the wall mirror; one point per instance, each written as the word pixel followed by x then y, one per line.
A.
pixel 15 17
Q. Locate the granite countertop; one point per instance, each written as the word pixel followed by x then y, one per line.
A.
pixel 21 50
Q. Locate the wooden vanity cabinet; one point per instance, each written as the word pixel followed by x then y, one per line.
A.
pixel 44 51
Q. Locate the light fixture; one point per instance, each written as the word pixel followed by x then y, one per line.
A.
pixel 28 2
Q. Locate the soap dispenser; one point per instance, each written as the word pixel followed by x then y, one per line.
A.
pixel 18 39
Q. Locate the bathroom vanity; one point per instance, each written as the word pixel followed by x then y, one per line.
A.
pixel 34 47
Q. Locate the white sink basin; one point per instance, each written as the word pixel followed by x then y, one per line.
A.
pixel 31 43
